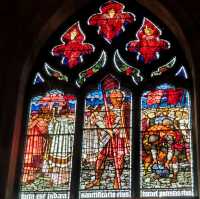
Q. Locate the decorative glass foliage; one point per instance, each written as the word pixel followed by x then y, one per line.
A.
pixel 164 68
pixel 148 43
pixel 166 159
pixel 128 70
pixel 73 47
pixel 84 75
pixel 48 148
pixel 54 73
pixel 106 153
pixel 111 20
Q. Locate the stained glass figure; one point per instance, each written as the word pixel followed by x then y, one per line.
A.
pixel 128 70
pixel 73 47
pixel 166 159
pixel 164 68
pixel 182 73
pixel 105 167
pixel 38 79
pixel 148 43
pixel 84 75
pixel 111 20
pixel 55 73
pixel 48 148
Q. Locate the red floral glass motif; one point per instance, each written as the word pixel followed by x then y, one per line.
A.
pixel 148 43
pixel 73 46
pixel 111 20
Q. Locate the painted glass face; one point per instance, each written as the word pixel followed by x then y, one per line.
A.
pixel 106 155
pixel 48 148
pixel 73 46
pixel 111 20
pixel 166 161
pixel 148 44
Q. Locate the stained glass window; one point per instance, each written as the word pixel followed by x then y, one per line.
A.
pixel 166 159
pixel 48 149
pixel 106 153
pixel 111 106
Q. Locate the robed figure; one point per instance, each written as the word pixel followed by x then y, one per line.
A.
pixel 57 164
pixel 35 145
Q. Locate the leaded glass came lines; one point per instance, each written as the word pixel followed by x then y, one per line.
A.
pixel 106 144
pixel 166 160
pixel 48 149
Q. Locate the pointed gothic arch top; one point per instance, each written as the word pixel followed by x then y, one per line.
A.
pixel 123 65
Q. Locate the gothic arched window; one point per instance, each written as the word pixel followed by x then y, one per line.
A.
pixel 109 112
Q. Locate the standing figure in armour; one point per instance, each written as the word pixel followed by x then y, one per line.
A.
pixel 114 136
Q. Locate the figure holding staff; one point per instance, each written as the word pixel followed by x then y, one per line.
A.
pixel 114 130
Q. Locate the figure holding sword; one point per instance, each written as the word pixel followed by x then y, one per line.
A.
pixel 114 138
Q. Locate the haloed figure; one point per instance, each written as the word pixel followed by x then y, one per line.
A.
pixel 114 138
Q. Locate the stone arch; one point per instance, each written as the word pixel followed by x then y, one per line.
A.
pixel 55 20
